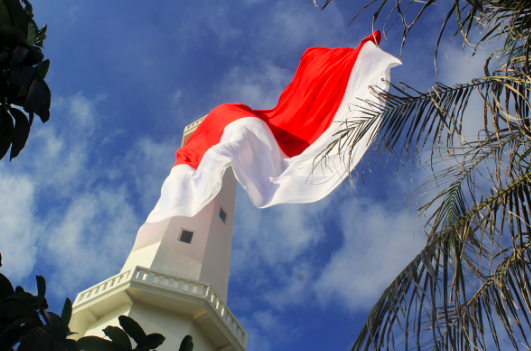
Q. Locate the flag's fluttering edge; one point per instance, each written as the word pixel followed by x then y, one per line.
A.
pixel 272 152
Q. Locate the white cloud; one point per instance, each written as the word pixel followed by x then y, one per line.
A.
pixel 273 236
pixel 150 163
pixel 258 85
pixel 72 12
pixel 68 215
pixel 261 324
pixel 18 237
pixel 378 244
pixel 53 160
pixel 91 240
pixel 176 98
pixel 294 286
pixel 292 25
pixel 57 153
pixel 212 21
pixel 459 68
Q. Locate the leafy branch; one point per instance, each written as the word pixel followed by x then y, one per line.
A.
pixel 24 69
pixel 450 296
pixel 25 321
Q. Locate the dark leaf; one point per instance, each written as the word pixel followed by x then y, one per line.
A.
pixel 22 94
pixel 21 296
pixel 21 132
pixel 28 9
pixel 37 339
pixel 16 324
pixel 6 136
pixel 40 39
pixel 20 74
pixel 53 320
pixel 18 15
pixel 153 341
pixel 44 111
pixel 33 56
pixel 12 35
pixel 19 53
pixel 187 344
pixel 14 335
pixel 41 36
pixel 36 97
pixel 42 69
pixel 67 312
pixel 41 289
pixel 93 343
pixel 15 308
pixel 70 345
pixel 118 336
pixel 6 288
pixel 132 328
pixel 32 33
pixel 5 19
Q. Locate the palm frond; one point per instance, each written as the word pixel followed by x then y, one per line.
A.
pixel 461 176
pixel 469 287
pixel 434 305
pixel 408 115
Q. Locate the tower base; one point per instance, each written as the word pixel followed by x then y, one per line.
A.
pixel 160 303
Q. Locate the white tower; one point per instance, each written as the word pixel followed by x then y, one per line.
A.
pixel 175 280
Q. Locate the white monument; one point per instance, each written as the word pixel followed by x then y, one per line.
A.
pixel 175 280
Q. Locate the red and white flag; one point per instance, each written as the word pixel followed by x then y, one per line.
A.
pixel 272 152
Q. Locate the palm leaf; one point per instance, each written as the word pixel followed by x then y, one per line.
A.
pixel 469 287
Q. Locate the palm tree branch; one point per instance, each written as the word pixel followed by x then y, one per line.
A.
pixel 386 118
pixel 496 279
pixel 395 294
pixel 454 191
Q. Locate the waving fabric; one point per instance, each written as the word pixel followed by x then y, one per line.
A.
pixel 272 151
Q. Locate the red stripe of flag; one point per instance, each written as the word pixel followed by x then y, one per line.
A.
pixel 304 111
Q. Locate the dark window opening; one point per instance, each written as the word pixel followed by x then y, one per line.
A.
pixel 223 215
pixel 186 236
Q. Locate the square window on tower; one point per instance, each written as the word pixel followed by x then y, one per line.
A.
pixel 222 215
pixel 186 236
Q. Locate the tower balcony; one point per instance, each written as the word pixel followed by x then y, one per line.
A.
pixel 160 303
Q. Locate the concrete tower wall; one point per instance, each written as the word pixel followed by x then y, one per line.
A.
pixel 171 285
pixel 207 257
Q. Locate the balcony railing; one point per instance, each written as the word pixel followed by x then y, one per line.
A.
pixel 101 287
pixel 185 286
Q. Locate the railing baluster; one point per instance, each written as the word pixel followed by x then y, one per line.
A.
pixel 141 274
pixel 229 320
pixel 244 341
pixel 150 277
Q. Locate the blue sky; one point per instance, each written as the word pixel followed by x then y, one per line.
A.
pixel 126 78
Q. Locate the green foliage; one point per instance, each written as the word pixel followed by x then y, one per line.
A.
pixel 24 321
pixel 24 69
pixel 187 344
pixel 119 338
pixel 469 287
